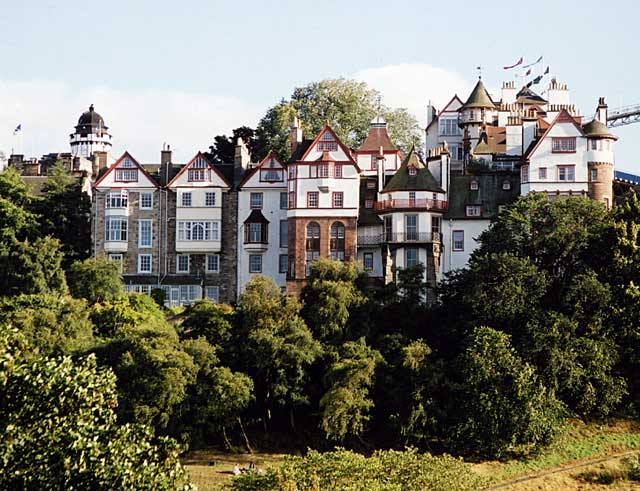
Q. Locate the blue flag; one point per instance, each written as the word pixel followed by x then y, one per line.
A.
pixel 18 129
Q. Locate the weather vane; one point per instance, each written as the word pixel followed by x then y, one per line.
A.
pixel 479 68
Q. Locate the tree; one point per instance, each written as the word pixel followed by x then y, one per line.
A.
pixel 59 429
pixel 332 290
pixel 346 404
pixel 223 149
pixel 53 325
pixel 212 320
pixel 17 220
pixel 277 347
pixel 66 212
pixel 32 267
pixel 503 407
pixel 348 106
pixel 95 280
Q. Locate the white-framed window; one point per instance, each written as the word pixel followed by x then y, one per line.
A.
pixel 413 171
pixel 566 173
pixel 144 263
pixel 255 201
pixel 282 263
pixel 411 227
pixel 542 173
pixel 292 171
pixel 449 127
pixel 593 174
pixel 524 174
pixel 563 144
pixel 187 198
pixel 473 210
pixel 410 257
pixel 182 263
pixel 212 293
pixel 146 201
pixel 367 261
pixel 210 198
pixel 271 175
pixel 127 164
pixel 312 199
pixel 117 199
pixel 473 185
pixel 116 229
pixel 283 201
pixel 292 199
pixel 213 263
pixel 198 230
pixel 284 234
pixel 457 239
pixel 145 233
pixel 196 175
pixel 337 171
pixel 116 259
pixel 338 199
pixel 126 175
pixel 255 233
pixel 255 263
pixel 435 226
pixel 594 144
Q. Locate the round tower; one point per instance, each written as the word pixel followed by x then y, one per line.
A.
pixel 600 161
pixel 477 111
pixel 90 135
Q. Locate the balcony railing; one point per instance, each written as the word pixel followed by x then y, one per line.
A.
pixel 401 237
pixel 424 204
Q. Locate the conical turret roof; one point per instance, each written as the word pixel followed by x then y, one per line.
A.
pixel 422 180
pixel 479 98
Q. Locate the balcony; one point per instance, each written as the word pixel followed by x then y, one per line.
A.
pixel 411 204
pixel 399 238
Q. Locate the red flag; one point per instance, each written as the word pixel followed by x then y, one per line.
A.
pixel 513 66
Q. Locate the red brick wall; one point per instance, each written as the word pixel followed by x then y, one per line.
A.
pixel 297 245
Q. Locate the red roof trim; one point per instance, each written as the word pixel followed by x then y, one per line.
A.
pixel 455 96
pixel 115 165
pixel 346 150
pixel 190 163
pixel 562 117
pixel 271 155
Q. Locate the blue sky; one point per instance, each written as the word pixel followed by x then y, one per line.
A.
pixel 182 72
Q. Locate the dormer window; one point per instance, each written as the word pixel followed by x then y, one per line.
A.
pixel 413 171
pixel 327 143
pixel 199 164
pixel 473 210
pixel 506 185
pixel 126 175
pixel 127 163
pixel 473 185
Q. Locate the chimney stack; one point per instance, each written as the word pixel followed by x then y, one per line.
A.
pixel 602 111
pixel 99 161
pixel 431 113
pixel 296 134
pixel 241 158
pixel 165 164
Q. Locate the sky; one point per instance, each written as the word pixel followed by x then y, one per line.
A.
pixel 182 72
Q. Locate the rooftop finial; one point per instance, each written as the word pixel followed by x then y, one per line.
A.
pixel 479 68
pixel 91 108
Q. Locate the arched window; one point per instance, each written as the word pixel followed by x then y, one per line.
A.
pixel 337 241
pixel 312 244
pixel 197 232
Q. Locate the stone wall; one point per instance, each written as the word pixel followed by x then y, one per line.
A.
pixel 602 188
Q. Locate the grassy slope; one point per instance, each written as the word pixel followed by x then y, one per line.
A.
pixel 580 442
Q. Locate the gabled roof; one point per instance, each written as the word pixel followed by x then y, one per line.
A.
pixel 403 181
pixel 479 97
pixel 198 156
pixel 115 165
pixel 345 149
pixel 495 141
pixel 270 156
pixel 377 137
pixel 445 109
pixel 562 117
pixel 528 96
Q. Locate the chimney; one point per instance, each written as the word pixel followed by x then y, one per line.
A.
pixel 602 111
pixel 380 168
pixel 431 113
pixel 296 134
pixel 31 168
pixel 165 164
pixel 100 161
pixel 241 158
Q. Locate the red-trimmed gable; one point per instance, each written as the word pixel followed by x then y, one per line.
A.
pixel 125 155
pixel 212 167
pixel 344 148
pixel 562 117
pixel 270 156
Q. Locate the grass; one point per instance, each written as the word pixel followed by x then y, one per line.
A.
pixel 210 470
pixel 579 442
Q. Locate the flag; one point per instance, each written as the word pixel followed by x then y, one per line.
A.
pixel 546 72
pixel 537 79
pixel 528 72
pixel 534 63
pixel 529 84
pixel 18 129
pixel 519 62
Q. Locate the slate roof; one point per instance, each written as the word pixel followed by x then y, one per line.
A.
pixel 528 96
pixel 479 97
pixel 367 216
pixel 300 150
pixel 422 181
pixel 489 194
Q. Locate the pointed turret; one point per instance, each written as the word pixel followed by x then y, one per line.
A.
pixel 479 98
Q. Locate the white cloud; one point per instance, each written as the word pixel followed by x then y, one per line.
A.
pixel 412 85
pixel 139 120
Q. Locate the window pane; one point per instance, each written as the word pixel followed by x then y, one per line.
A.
pixel 284 233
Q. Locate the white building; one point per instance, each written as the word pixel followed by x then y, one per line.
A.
pixel 262 223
